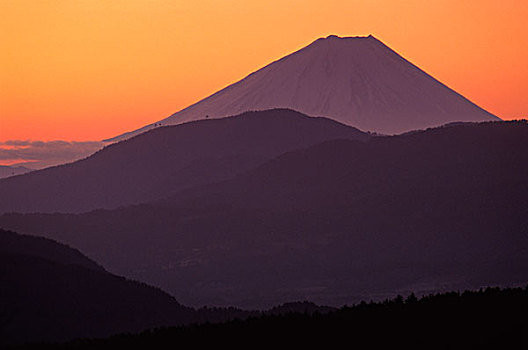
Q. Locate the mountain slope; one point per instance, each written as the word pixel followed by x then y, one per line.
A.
pixel 358 81
pixel 46 294
pixel 334 223
pixel 7 171
pixel 12 243
pixel 163 161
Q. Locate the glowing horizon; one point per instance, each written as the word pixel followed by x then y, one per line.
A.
pixel 90 70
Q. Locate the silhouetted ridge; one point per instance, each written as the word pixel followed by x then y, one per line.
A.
pixel 50 292
pixel 15 244
pixel 485 319
pixel 8 171
pixel 166 160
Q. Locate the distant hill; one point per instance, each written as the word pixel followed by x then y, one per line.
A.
pixel 8 171
pixel 334 223
pixel 357 81
pixel 166 160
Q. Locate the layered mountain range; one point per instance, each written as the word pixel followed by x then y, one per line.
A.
pixel 271 190
pixel 335 223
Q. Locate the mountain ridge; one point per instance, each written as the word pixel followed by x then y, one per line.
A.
pixel 165 160
pixel 8 171
pixel 52 292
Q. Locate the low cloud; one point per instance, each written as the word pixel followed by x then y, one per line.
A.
pixel 40 154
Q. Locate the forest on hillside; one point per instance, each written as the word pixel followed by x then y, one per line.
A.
pixel 491 318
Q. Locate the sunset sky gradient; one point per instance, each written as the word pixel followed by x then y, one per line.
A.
pixel 93 69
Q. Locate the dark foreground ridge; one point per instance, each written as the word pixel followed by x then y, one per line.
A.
pixel 493 318
pixel 51 292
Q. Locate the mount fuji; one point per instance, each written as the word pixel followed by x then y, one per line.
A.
pixel 358 81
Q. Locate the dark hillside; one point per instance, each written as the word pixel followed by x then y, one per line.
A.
pixel 50 292
pixel 487 319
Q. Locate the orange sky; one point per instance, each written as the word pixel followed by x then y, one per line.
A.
pixel 92 69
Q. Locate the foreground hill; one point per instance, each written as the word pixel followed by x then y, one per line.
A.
pixel 12 243
pixel 357 81
pixel 166 160
pixel 50 292
pixel 487 319
pixel 335 223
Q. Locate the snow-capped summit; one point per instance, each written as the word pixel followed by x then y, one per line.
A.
pixel 357 81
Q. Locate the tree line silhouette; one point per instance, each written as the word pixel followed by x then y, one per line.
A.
pixel 485 319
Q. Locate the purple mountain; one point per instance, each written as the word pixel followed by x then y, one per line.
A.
pixel 358 81
pixel 159 163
